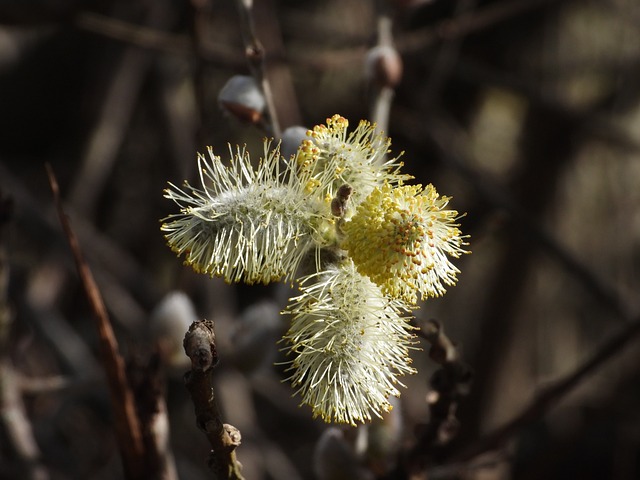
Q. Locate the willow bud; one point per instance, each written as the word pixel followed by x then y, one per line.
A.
pixel 292 138
pixel 383 66
pixel 241 97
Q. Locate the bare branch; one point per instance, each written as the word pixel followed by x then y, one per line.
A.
pixel 127 425
pixel 449 385
pixel 200 347
pixel 552 394
pixel 254 52
pixel 14 422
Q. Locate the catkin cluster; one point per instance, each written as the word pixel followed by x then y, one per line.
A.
pixel 378 246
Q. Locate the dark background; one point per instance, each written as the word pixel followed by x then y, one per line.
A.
pixel 526 112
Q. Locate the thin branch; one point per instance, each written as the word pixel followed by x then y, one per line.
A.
pixel 111 127
pixel 461 26
pixel 254 52
pixel 159 40
pixel 138 35
pixel 200 347
pixel 127 425
pixel 147 380
pixel 446 58
pixel 551 395
pixel 386 72
pixel 156 39
pixel 14 422
pixel 15 425
pixel 44 385
pixel 449 384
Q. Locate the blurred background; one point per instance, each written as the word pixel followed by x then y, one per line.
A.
pixel 526 112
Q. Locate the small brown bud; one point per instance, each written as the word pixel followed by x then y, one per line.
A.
pixel 383 66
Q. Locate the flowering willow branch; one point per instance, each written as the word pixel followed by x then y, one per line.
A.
pixel 376 243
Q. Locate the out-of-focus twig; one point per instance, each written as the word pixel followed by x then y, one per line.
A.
pixel 127 424
pixel 255 54
pixel 200 347
pixel 156 39
pixel 449 384
pixel 103 252
pixel 108 134
pixel 277 69
pixel 446 57
pixel 384 70
pixel 147 381
pixel 14 423
pixel 471 22
pixel 139 35
pixel 162 41
pixel 552 394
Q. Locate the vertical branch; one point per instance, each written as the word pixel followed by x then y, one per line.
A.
pixel 445 58
pixel 254 51
pixel 147 381
pixel 383 69
pixel 449 384
pixel 127 425
pixel 199 9
pixel 200 346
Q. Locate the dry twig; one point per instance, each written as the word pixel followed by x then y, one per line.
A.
pixel 200 347
pixel 127 424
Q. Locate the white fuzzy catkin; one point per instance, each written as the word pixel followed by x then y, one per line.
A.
pixel 349 344
pixel 244 224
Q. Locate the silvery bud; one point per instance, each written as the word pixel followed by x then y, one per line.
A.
pixel 292 137
pixel 255 335
pixel 334 458
pixel 242 97
pixel 383 66
pixel 169 322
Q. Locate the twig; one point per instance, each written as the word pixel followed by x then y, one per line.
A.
pixel 200 347
pixel 254 52
pixel 43 385
pixel 552 394
pixel 156 39
pixel 446 58
pixel 467 24
pixel 14 423
pixel 139 35
pixel 127 425
pixel 448 385
pixel 277 69
pixel 102 251
pixel 383 92
pixel 108 134
pixel 147 381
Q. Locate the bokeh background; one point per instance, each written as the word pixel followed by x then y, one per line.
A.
pixel 526 112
